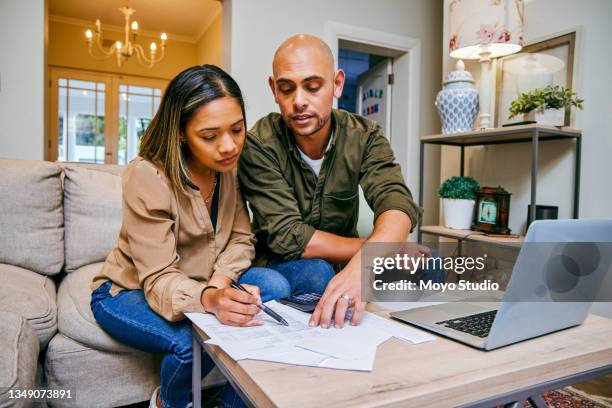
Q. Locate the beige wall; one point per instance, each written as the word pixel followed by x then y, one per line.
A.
pixel 22 76
pixel 208 48
pixel 68 48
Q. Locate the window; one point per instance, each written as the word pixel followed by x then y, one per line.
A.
pixel 100 118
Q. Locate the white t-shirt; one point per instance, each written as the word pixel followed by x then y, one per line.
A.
pixel 315 164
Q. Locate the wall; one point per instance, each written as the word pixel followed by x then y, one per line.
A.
pixel 509 165
pixel 22 79
pixel 258 28
pixel 208 48
pixel 68 48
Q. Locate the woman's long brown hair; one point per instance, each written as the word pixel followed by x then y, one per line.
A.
pixel 186 93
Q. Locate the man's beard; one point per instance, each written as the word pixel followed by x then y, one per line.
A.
pixel 321 121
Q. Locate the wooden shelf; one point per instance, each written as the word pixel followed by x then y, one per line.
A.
pixel 471 235
pixel 508 134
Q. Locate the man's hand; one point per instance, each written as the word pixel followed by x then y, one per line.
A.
pixel 232 306
pixel 343 291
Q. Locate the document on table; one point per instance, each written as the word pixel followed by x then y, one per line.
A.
pixel 350 348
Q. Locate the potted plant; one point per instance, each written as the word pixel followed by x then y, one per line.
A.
pixel 532 104
pixel 458 198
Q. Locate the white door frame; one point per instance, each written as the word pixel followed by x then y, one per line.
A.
pixel 406 89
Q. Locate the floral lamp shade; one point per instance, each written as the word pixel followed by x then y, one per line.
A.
pixel 492 25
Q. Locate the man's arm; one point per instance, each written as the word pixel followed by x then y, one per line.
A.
pixel 382 181
pixel 331 247
pixel 272 201
pixel 390 226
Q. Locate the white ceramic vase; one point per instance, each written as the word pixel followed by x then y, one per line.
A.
pixel 457 102
pixel 458 213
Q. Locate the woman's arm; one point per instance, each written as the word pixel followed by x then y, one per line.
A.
pixel 149 218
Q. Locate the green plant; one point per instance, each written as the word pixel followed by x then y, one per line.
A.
pixel 550 97
pixel 459 188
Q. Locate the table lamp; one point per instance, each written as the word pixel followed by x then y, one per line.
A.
pixel 485 29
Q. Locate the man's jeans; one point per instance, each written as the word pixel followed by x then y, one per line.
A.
pixel 285 279
pixel 128 318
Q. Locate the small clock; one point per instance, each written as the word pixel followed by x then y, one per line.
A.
pixel 492 207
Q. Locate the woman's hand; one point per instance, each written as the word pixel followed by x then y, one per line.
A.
pixel 232 306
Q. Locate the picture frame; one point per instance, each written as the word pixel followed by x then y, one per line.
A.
pixel 548 62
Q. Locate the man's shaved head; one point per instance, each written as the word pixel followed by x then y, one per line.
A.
pixel 304 46
pixel 304 83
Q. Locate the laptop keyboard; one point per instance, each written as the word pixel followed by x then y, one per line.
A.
pixel 477 325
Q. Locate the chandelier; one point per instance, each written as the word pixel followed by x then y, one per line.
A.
pixel 125 50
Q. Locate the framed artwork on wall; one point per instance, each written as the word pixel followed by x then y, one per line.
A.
pixel 549 62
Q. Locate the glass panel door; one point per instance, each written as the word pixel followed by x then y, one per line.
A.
pixel 99 117
pixel 80 120
pixel 137 106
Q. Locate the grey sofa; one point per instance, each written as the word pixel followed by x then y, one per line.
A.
pixel 57 224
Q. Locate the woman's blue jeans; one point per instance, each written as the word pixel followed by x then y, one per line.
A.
pixel 128 318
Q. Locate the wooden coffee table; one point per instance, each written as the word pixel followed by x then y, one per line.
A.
pixel 438 373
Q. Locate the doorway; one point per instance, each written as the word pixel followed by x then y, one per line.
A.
pixel 368 86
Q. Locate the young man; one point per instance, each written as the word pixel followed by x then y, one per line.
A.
pixel 300 173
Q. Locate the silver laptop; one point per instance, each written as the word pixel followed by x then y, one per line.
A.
pixel 533 303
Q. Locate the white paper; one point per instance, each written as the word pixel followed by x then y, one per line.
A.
pixel 349 348
pixel 396 329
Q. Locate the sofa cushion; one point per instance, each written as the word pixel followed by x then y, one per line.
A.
pixel 99 378
pixel 31 296
pixel 75 319
pixel 31 215
pixel 92 212
pixel 18 354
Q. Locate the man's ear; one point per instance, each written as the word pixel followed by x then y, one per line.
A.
pixel 272 85
pixel 339 83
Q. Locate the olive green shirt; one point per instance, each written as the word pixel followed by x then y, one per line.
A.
pixel 289 202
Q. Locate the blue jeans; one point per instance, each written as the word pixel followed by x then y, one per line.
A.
pixel 128 318
pixel 276 281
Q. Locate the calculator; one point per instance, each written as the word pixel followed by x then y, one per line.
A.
pixel 306 302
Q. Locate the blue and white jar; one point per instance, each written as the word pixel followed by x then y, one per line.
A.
pixel 457 102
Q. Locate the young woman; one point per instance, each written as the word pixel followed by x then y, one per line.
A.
pixel 186 234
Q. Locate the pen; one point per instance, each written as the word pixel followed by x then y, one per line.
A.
pixel 264 308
